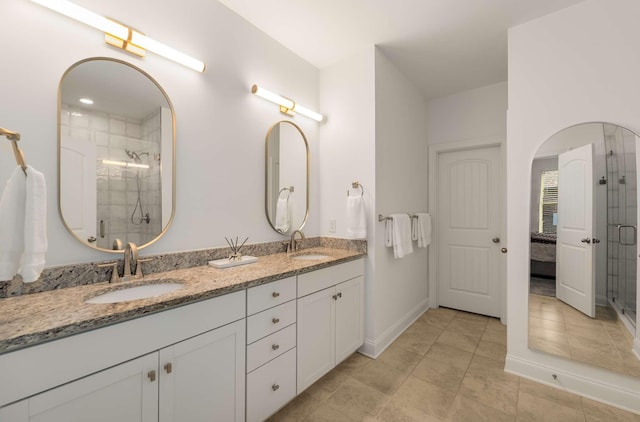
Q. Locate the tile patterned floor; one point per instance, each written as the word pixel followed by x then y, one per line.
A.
pixel 448 366
pixel 559 329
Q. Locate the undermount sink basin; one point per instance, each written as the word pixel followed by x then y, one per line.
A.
pixel 310 256
pixel 135 293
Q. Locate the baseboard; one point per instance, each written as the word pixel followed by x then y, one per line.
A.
pixel 595 389
pixel 374 347
pixel 636 347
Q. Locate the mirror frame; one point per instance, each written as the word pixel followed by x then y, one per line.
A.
pixel 173 152
pixel 266 178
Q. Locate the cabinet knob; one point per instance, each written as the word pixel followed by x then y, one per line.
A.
pixel 168 367
pixel 275 346
pixel 151 375
pixel 275 320
pixel 275 294
pixel 275 387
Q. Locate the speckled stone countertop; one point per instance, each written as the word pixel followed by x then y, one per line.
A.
pixel 32 319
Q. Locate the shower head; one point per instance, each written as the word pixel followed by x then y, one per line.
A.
pixel 132 154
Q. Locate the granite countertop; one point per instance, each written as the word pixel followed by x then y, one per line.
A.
pixel 32 319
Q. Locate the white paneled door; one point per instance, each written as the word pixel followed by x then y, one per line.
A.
pixel 575 265
pixel 469 203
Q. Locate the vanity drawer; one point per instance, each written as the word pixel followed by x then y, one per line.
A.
pixel 270 347
pixel 271 386
pixel 269 295
pixel 267 322
pixel 321 279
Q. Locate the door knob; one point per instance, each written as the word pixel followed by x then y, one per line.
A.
pixel 275 320
pixel 503 250
pixel 594 240
pixel 585 240
pixel 496 240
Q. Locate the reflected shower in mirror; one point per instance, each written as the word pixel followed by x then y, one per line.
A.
pixel 116 155
pixel 286 178
pixel 583 247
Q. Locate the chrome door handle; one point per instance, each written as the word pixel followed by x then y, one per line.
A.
pixel 503 250
pixel 594 240
pixel 275 320
pixel 496 240
pixel 275 387
pixel 585 240
pixel 275 346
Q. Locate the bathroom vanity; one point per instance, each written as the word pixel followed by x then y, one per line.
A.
pixel 233 344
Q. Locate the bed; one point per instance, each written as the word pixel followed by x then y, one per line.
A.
pixel 543 255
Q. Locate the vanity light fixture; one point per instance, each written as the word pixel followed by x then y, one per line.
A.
pixel 120 35
pixel 125 164
pixel 287 106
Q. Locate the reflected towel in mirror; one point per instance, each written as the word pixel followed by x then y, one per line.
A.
pixel 283 212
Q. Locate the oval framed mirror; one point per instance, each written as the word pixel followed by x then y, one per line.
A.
pixel 583 246
pixel 116 155
pixel 286 177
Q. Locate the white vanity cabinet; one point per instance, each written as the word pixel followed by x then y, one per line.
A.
pixel 193 378
pixel 330 322
pixel 271 347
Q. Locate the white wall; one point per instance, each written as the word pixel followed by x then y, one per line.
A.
pixel 221 126
pixel 401 285
pixel 472 114
pixel 577 65
pixel 347 151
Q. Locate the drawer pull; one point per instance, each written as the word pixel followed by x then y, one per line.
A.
pixel 275 346
pixel 275 387
pixel 275 320
pixel 151 375
pixel 168 367
pixel 275 294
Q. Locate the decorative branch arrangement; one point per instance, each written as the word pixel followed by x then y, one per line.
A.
pixel 235 249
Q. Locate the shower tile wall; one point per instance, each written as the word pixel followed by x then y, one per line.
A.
pixel 117 187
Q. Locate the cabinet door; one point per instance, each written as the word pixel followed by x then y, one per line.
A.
pixel 124 393
pixel 316 336
pixel 349 317
pixel 203 378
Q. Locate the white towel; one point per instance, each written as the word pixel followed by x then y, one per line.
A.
pixel 356 217
pixel 35 227
pixel 398 235
pixel 283 219
pixel 422 229
pixel 12 214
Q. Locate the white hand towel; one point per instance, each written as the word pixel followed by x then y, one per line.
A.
pixel 283 220
pixel 423 225
pixel 401 235
pixel 388 233
pixel 35 226
pixel 356 217
pixel 12 214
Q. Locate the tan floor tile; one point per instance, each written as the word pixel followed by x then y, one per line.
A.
pixel 596 333
pixel 450 355
pixel 550 393
pixel 470 327
pixel 600 412
pixel 440 317
pixel 559 337
pixel 534 408
pixel 354 363
pixel 472 317
pixel 326 413
pixel 458 340
pixel 357 400
pixel 440 374
pixel 328 384
pixel 487 383
pixel 495 334
pixel 424 396
pixel 397 412
pixel 418 338
pixel 381 376
pixel 546 324
pixel 551 314
pixel 492 350
pixel 298 409
pixel 468 410
pixel 550 347
pixel 400 358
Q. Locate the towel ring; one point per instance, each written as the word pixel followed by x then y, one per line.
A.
pixel 356 185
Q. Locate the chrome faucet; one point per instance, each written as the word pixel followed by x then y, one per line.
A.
pixel 130 258
pixel 293 243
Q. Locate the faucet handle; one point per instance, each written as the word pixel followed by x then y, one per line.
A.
pixel 114 273
pixel 139 265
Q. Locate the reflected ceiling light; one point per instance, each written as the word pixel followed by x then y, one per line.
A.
pixel 87 101
pixel 120 35
pixel 125 164
pixel 287 105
